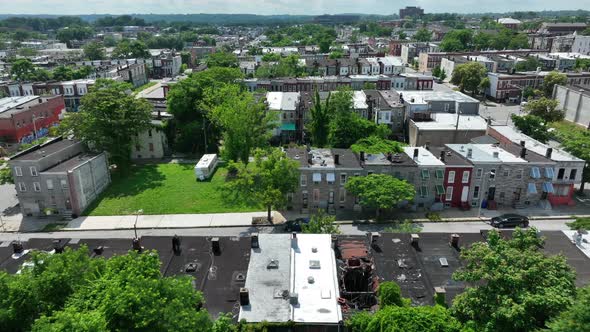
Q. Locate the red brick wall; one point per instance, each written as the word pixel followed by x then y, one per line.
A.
pixel 52 107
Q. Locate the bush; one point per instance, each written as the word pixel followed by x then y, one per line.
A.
pixel 433 216
pixel 390 294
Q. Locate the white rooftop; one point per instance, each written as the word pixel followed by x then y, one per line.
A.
pixel 486 153
pixel 533 145
pixel 304 267
pixel 425 157
pixel 392 61
pixel 12 102
pixel 508 20
pixel 359 99
pixel 448 121
pixel 423 96
pixel 282 101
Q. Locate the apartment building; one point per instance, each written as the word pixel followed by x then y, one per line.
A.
pixel 152 143
pixel 24 119
pixel 58 177
pixel 387 108
pixel 581 45
pixel 567 169
pixel 411 11
pixel 287 106
pixel 429 60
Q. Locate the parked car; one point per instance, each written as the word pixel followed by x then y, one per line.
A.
pixel 295 225
pixel 510 220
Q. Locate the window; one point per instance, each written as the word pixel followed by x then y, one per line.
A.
pixel 449 193
pixel 451 178
pixel 425 174
pixel 33 170
pixel 303 180
pixel 423 191
pixel 304 199
pixel 49 184
pixel 18 171
pixel 561 173
pixel 479 172
pixel 440 190
pixel 331 197
pixel 465 178
pixel 439 174
pixel 573 174
pixel 317 178
pixel 476 192
pixel 549 173
pixel 535 173
pixel 342 195
pixel 342 179
pixel 519 174
pixel 37 186
pixel 151 146
pixel 316 195
pixel 64 184
pixel 330 178
pixel 492 174
pixel 531 188
pixel 22 186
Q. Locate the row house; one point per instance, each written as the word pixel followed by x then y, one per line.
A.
pixel 457 178
pixel 429 60
pixel 287 106
pixel 449 64
pixel 24 119
pixel 567 171
pixel 387 108
pixel 509 87
pixel 412 50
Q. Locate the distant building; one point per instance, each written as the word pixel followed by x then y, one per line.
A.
pixel 336 19
pixel 509 22
pixel 23 119
pixel 411 11
pixel 581 44
pixel 575 102
pixel 443 128
pixel 58 177
pixel 150 144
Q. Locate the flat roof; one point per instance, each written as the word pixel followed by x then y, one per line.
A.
pixel 9 103
pixel 425 157
pixel 71 163
pixel 40 151
pixel 424 96
pixel 534 145
pixel 283 101
pixel 323 159
pixel 448 121
pixel 484 153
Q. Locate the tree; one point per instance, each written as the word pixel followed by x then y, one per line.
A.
pixel 110 119
pixel 580 223
pixel 380 191
pixel 468 76
pixel 544 108
pixel 484 85
pixel 443 75
pixel 376 144
pixel 436 71
pixel 320 120
pixel 336 54
pixel 407 319
pixel 390 294
pixel 514 286
pixel 94 51
pixel 576 318
pixel 222 59
pixel 423 35
pixel 575 141
pixel 457 40
pixel 71 320
pixel 266 181
pixel 482 40
pixel 321 223
pixel 131 49
pixel 529 64
pixel 5 175
pixel 530 92
pixel 63 73
pixel 552 79
pixel 244 122
pixel 69 34
pixel 533 126
pixel 27 52
pixel 22 70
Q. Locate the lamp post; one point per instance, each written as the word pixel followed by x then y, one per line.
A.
pixel 34 118
pixel 137 214
pixel 483 191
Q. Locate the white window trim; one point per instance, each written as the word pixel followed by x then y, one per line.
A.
pixel 465 178
pixel 451 178
pixel 449 193
pixel 33 171
pixel 18 171
pixel 49 184
pixel 22 187
pixel 36 186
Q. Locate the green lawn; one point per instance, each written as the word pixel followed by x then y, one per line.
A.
pixel 165 189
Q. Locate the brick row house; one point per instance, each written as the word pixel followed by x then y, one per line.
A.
pixel 23 119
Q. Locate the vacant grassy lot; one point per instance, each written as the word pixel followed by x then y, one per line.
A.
pixel 165 189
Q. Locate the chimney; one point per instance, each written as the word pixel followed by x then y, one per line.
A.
pixel 442 155
pixel 17 247
pixel 548 153
pixel 455 240
pixel 496 154
pixel 523 152
pixel 416 152
pixel 176 245
pixel 254 244
pixel 362 154
pixel 374 237
pixel 215 247
pixel 294 240
pixel 334 241
pixel 337 159
pixel 469 153
pixel 294 298
pixel 522 143
pixel 415 238
pixel 57 246
pixel 244 296
pixel 389 156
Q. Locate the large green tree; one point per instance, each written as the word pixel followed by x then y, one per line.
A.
pixel 423 35
pixel 244 122
pixel 468 76
pixel 320 121
pixel 321 223
pixel 94 51
pixel 552 79
pixel 266 181
pixel 380 191
pixel 514 286
pixel 576 318
pixel 109 119
pixel 532 126
pixel 22 70
pixel 457 40
pixel 222 59
pixel 544 108
pixel 127 49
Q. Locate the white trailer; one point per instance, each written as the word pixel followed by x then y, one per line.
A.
pixel 206 166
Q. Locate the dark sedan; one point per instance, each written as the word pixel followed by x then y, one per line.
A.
pixel 510 220
pixel 295 225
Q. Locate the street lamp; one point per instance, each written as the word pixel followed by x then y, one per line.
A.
pixel 137 214
pixel 34 118
pixel 483 191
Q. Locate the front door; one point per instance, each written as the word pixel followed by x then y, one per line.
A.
pixel 464 194
pixel 491 193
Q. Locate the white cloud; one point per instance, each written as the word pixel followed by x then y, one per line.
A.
pixel 266 7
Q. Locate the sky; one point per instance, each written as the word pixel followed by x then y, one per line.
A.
pixel 268 7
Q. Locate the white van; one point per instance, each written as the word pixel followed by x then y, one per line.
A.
pixel 206 166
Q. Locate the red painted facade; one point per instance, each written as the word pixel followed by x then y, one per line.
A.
pixel 19 126
pixel 457 184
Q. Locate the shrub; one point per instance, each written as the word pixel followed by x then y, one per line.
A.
pixel 433 216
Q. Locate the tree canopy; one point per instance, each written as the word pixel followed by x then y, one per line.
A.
pixel 545 109
pixel 126 49
pixel 552 79
pixel 321 223
pixel 266 181
pixel 94 51
pixel 376 144
pixel 109 119
pixel 222 59
pixel 469 76
pixel 574 140
pixel 576 318
pixel 514 286
pixel 533 126
pixel 380 191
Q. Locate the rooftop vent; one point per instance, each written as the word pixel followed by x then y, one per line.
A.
pixel 191 267
pixel 294 298
pixel 314 264
pixel 17 247
pixel 314 249
pixel 98 250
pixel 215 247
pixel 273 264
pixel 470 153
pixel 254 241
pixel 244 296
pixel 496 154
pixel 176 245
pixel 136 244
pixel 455 240
pixel 310 280
pixel 443 262
pixel 57 246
